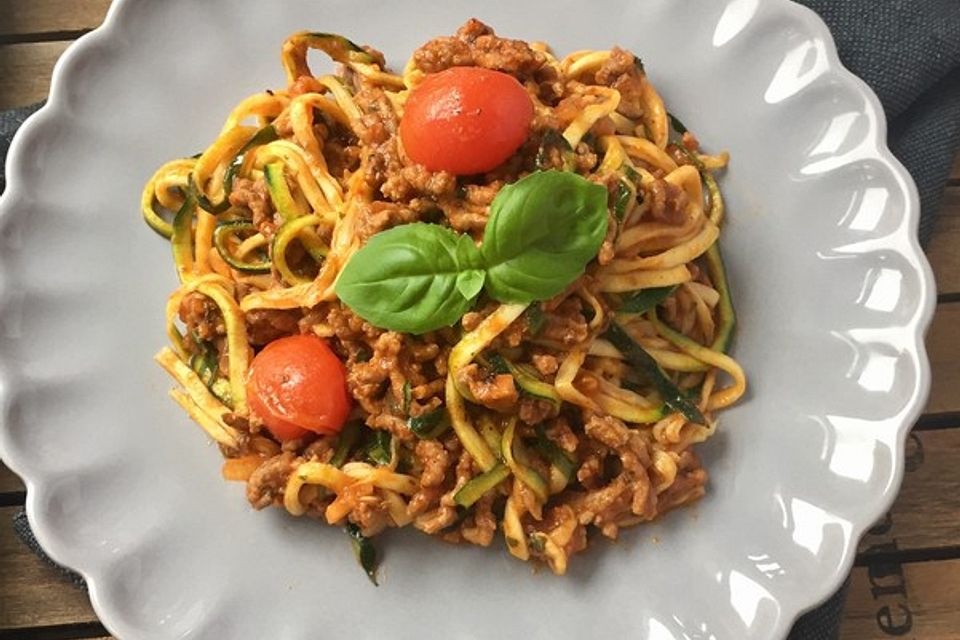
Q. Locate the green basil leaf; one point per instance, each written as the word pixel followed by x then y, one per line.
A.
pixel 645 299
pixel 470 282
pixel 542 232
pixel 408 278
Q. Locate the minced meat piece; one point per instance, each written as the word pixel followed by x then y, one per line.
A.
pixel 566 324
pixel 378 216
pixel 267 482
pixel 622 73
pixel 266 325
pixel 497 392
pixel 435 460
pixel 475 44
pixel 668 202
pixel 201 316
pixel 254 196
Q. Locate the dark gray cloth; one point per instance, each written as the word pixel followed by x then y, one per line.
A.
pixel 22 528
pixel 10 121
pixel 908 51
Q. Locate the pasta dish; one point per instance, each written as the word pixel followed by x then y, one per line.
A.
pixel 482 295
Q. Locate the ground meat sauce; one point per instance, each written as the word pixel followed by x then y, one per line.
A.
pixel 475 45
pixel 395 377
pixel 253 196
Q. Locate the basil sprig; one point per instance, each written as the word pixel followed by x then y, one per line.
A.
pixel 542 232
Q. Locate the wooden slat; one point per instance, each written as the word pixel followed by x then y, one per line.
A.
pixel 33 594
pixel 955 172
pixel 25 78
pixel 917 600
pixel 9 480
pixel 944 249
pixel 943 347
pixel 18 18
pixel 926 515
pixel 889 597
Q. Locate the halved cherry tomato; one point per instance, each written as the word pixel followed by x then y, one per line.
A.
pixel 297 384
pixel 465 120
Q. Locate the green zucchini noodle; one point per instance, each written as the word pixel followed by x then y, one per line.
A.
pixel 545 420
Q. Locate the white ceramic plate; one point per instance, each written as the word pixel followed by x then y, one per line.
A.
pixel 832 291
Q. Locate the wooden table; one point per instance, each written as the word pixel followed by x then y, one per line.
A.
pixel 907 576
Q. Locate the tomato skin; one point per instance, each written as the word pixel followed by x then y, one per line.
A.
pixel 297 384
pixel 281 429
pixel 465 120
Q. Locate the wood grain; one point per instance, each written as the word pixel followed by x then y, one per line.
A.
pixel 944 249
pixel 26 72
pixel 21 18
pixel 9 481
pixel 943 347
pixel 926 514
pixel 33 594
pixel 955 171
pixel 917 600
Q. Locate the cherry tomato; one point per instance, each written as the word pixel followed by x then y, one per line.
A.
pixel 297 384
pixel 465 120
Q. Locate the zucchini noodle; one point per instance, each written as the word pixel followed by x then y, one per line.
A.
pixel 544 420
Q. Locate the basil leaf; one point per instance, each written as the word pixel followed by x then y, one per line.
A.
pixel 469 283
pixel 412 278
pixel 645 299
pixel 542 232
